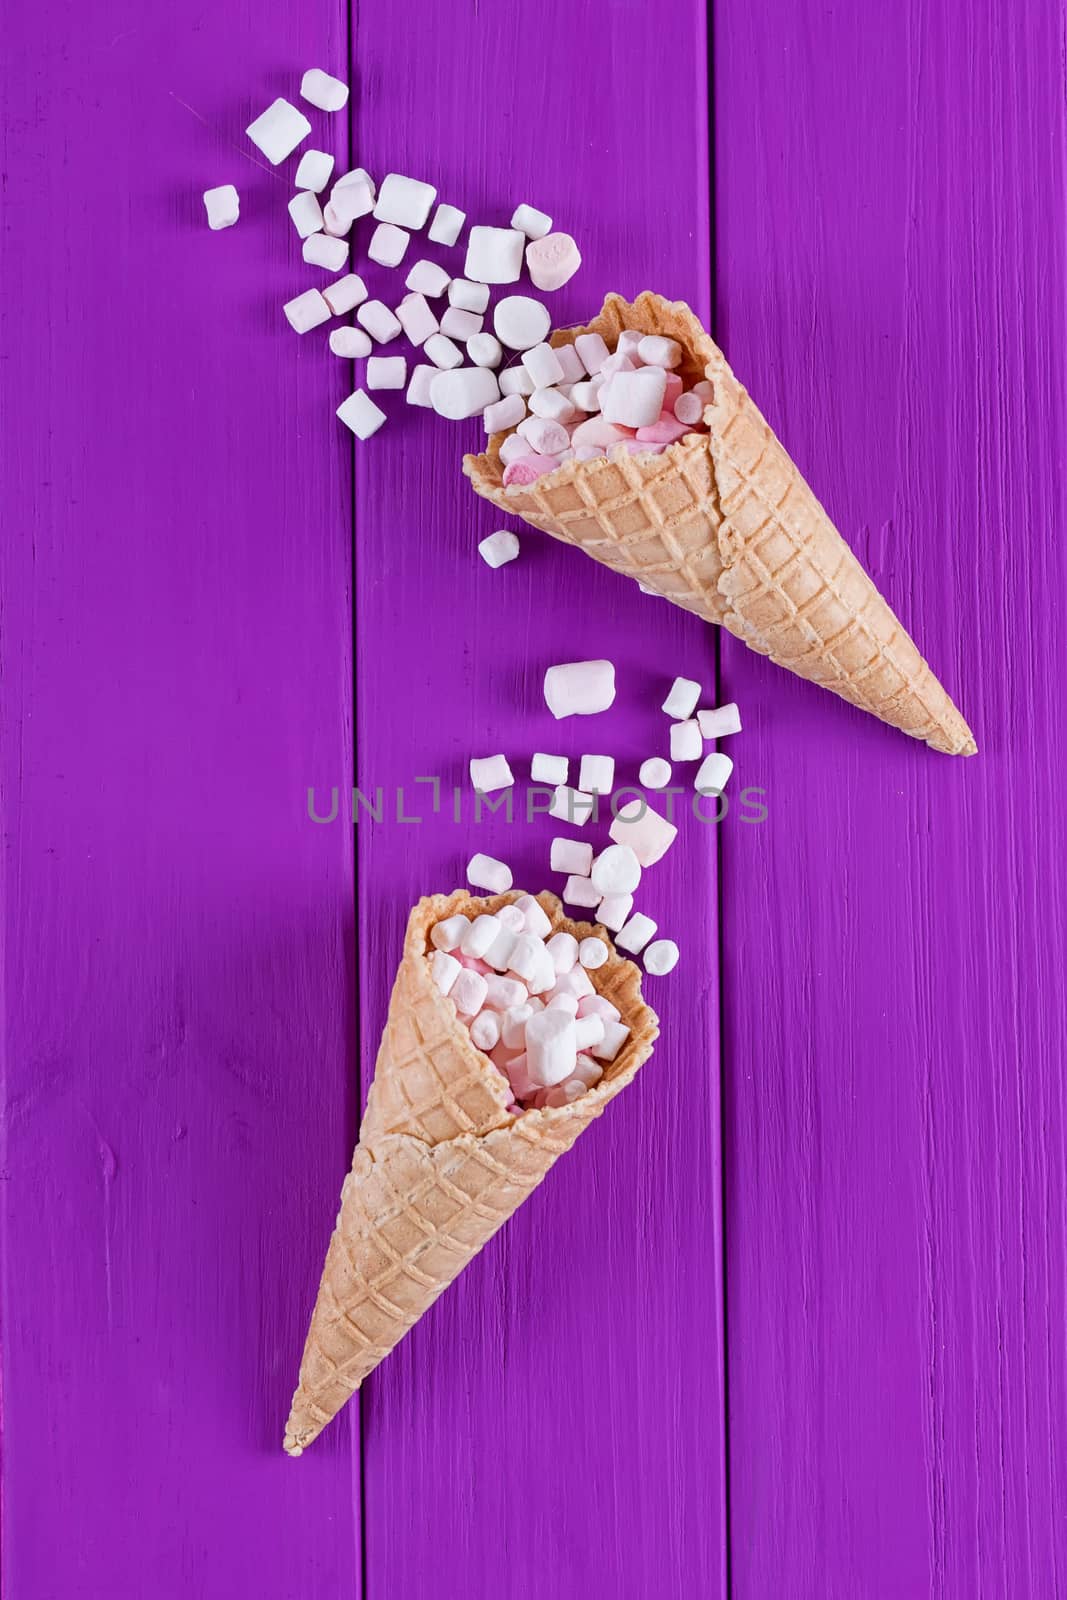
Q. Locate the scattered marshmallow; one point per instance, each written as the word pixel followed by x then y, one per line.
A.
pixel 426 277
pixel 660 957
pixel 494 255
pixel 571 856
pixel 533 223
pixel 467 296
pixel 535 919
pixel 404 201
pixel 415 317
pixel 444 970
pixel 504 414
pixel 552 404
pixel 543 365
pixel 329 94
pixel 314 170
pixel 592 352
pixel 388 244
pixel 485 351
pixel 571 805
pixel 349 200
pixel 489 773
pixel 322 250
pixel 656 351
pixel 686 743
pixel 597 772
pixel 655 773
pixel 418 390
pixel 634 399
pixel 306 311
pixel 463 392
pixel 479 935
pixel 356 175
pixel 351 343
pixel 306 213
pixel 681 701
pixel 579 688
pixel 278 131
pixel 499 548
pixel 222 205
pixel 447 225
pixel 648 834
pixel 635 935
pixel 552 260
pixel 443 353
pixel 713 774
pixel 360 414
pixel 521 322
pixel 616 871
pixel 459 324
pixel 549 769
pixel 614 910
pixel 718 723
pixel 545 437
pixel 485 872
pixel 387 372
pixel 379 321
pixel 516 380
pixel 592 953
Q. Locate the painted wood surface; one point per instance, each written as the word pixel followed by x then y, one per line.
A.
pixel 890 283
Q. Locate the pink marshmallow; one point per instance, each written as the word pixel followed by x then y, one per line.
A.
pixel 634 447
pixel 672 391
pixel 665 430
pixel 594 1005
pixel 528 469
pixel 474 963
pixel 600 433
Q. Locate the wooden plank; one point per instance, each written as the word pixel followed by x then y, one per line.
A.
pixel 890 183
pixel 556 1419
pixel 179 966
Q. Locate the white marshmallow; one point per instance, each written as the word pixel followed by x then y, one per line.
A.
pixel 464 392
pixel 306 213
pixel 552 404
pixel 388 244
pixel 485 872
pixel 344 295
pixel 467 296
pixel 564 1002
pixel 489 773
pixel 499 548
pixel 516 380
pixel 681 701
pixel 447 225
pixel 533 223
pixel 494 255
pixel 348 202
pixel 689 408
pixel 572 857
pixel 551 1050
pixel 360 414
pixel 387 372
pixel 510 916
pixel 329 94
pixel 314 170
pixel 617 363
pixel 571 805
pixel 636 934
pixel 579 688
pixel 564 1094
pixel 574 982
pixel 278 131
pixel 660 957
pixel 544 975
pixel 592 953
pixel 500 951
pixel 459 324
pixel 615 1036
pixel 550 769
pixel 444 970
pixel 479 935
pixel 448 933
pixel 590 1030
pixel 616 870
pixel 544 437
pixel 526 955
pixel 592 351
pixel 307 311
pixel 579 891
pixel 415 317
pixel 379 321
pixel 713 774
pixel 536 922
pixel 513 448
pixel 655 773
pixel 614 910
pixel 595 1005
pixel 634 399
pixel 469 992
pixel 513 1026
pixel 504 993
pixel 586 396
pixel 597 772
pixel 352 343
pixel 655 351
pixel 418 391
pixel 443 353
pixel 587 1071
pixel 504 414
pixel 648 834
pixel 426 277
pixel 543 365
pixel 686 743
pixel 571 362
pixel 485 1031
pixel 563 948
pixel 717 724
pixel 521 322
pixel 629 342
pixel 222 205
pixel 354 175
pixel 485 351
pixel 404 201
pixel 322 250
pixel 599 434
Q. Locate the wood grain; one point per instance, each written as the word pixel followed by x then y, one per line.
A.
pixel 890 217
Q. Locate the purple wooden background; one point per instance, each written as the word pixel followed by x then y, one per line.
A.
pixel 184 1023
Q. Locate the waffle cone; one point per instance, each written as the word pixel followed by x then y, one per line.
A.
pixel 723 524
pixel 440 1165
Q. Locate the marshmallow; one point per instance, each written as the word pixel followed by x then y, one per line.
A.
pixel 485 872
pixel 597 772
pixel 629 342
pixel 307 311
pixel 656 351
pixel 306 213
pixel 634 399
pixel 592 953
pixel 378 320
pixel 479 935
pixel 579 891
pixel 485 351
pixel 571 362
pixel 504 993
pixel 527 469
pixel 388 244
pixel 564 1002
pixel 572 857
pixel 314 170
pixel 543 365
pixel 615 1036
pixel 510 916
pixel 426 277
pixel 418 391
pixel 502 948
pixel 595 1005
pixel 504 414
pixel 599 434
pixel 329 94
pixel 579 688
pixel 564 1094
pixel 513 448
pixel 404 201
pixel 499 548
pixel 348 202
pixel 713 773
pixel 464 392
pixel 444 970
pixel 355 175
pixel 489 773
pixel 551 1050
pixel 660 957
pixel 614 910
pixel 344 295
pixel 278 131
pixel 222 205
pixel 526 955
pixel 536 922
pixel 415 317
pixel 513 1026
pixel 681 701
pixel 549 769
pixel 574 982
pixel 467 296
pixel 686 743
pixel 551 404
pixel 322 250
pixel 689 408
pixel 636 934
pixel 446 225
pixel 592 351
pixel 520 322
pixel 485 1031
pixel 468 992
pixel 360 414
pixel 534 224
pixel 571 805
pixel 448 933
pixel 586 396
pixel 387 372
pixel 648 834
pixel 717 724
pixel 665 430
pixel 443 353
pixel 671 393
pixel 494 255
pixel 655 773
pixel 516 380
pixel 563 948
pixel 616 870
pixel 352 343
pixel 590 1030
pixel 545 438
pixel 552 261
pixel 459 324
pixel 587 1071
